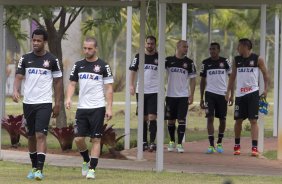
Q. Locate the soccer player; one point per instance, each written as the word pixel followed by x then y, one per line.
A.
pixel 246 67
pixel 94 76
pixel 41 70
pixel 214 84
pixel 150 90
pixel 180 69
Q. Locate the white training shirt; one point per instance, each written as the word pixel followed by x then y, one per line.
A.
pixel 39 72
pixel 179 71
pixel 91 77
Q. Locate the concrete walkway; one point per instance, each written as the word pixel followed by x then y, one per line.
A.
pixel 194 160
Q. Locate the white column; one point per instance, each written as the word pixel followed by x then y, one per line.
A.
pixel 210 25
pixel 127 90
pixel 184 21
pixel 261 82
pixel 141 81
pixel 161 71
pixel 276 75
pixel 279 146
pixel 2 71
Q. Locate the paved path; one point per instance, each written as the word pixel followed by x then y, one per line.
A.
pixel 194 160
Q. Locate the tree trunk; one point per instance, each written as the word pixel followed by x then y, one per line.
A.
pixel 55 48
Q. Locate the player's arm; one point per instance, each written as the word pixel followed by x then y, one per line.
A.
pixel 231 81
pixel 69 93
pixel 16 88
pixel 264 72
pixel 202 90
pixel 58 88
pixel 132 81
pixel 109 98
pixel 192 89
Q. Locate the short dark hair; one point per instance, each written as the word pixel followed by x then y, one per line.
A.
pixel 215 44
pixel 246 42
pixel 151 37
pixel 42 32
pixel 92 39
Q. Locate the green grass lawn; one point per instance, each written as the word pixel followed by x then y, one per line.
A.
pixel 11 173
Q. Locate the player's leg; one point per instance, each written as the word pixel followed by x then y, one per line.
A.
pixel 210 109
pixel 81 130
pixel 170 116
pixel 220 113
pixel 151 105
pixel 96 120
pixel 43 115
pixel 30 128
pixel 145 123
pixel 182 109
pixel 253 102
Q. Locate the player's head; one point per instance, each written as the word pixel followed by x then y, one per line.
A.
pixel 182 47
pixel 150 44
pixel 245 45
pixel 214 49
pixel 39 38
pixel 90 47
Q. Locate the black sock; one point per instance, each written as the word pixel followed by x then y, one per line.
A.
pixel 181 132
pixel 93 163
pixel 220 136
pixel 40 161
pixel 85 155
pixel 211 139
pixel 33 158
pixel 237 141
pixel 171 130
pixel 145 130
pixel 254 143
pixel 153 130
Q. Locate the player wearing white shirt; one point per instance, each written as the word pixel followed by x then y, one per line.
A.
pixel 246 67
pixel 179 69
pixel 214 73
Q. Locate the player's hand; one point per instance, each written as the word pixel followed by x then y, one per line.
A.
pixel 132 90
pixel 68 104
pixel 108 115
pixel 264 94
pixel 190 100
pixel 16 96
pixel 230 101
pixel 55 111
pixel 227 96
pixel 202 104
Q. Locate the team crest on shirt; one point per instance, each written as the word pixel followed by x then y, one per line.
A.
pixel 156 61
pixel 221 65
pixel 252 63
pixel 97 68
pixel 46 63
pixel 185 65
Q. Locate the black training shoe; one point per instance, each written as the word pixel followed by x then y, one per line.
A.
pixel 152 147
pixel 145 146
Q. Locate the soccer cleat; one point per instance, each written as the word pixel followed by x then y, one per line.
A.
pixel 90 174
pixel 255 152
pixel 30 175
pixel 145 146
pixel 211 150
pixel 152 147
pixel 237 150
pixel 180 148
pixel 219 148
pixel 38 175
pixel 84 168
pixel 170 146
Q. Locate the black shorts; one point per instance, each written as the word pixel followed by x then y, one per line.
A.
pixel 247 106
pixel 176 108
pixel 150 103
pixel 37 117
pixel 89 122
pixel 216 105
